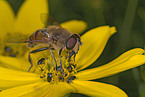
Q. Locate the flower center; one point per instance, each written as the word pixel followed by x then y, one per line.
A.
pixel 9 52
pixel 14 45
pixel 49 72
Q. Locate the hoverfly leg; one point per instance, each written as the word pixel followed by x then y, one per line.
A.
pixel 60 61
pixel 74 57
pixel 70 55
pixel 53 57
pixel 35 51
pixel 30 60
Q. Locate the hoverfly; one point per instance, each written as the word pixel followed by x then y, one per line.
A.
pixel 56 38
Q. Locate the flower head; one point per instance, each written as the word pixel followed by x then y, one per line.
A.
pixel 45 79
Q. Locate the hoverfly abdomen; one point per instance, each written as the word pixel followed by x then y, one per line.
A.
pixel 38 38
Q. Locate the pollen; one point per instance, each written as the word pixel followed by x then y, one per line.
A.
pixel 52 74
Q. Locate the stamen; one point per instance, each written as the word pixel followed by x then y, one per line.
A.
pixel 69 68
pixel 52 75
pixel 70 79
pixel 49 77
pixel 9 52
pixel 7 49
pixel 61 78
pixel 41 61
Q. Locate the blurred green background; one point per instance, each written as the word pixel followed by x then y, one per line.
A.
pixel 129 18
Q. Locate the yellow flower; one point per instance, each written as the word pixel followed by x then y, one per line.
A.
pixel 15 81
pixel 28 19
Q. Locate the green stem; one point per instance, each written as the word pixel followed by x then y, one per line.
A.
pixel 93 12
pixel 143 92
pixel 126 31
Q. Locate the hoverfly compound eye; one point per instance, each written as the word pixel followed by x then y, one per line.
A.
pixel 71 42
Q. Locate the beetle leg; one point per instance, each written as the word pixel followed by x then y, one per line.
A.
pixel 60 61
pixel 35 51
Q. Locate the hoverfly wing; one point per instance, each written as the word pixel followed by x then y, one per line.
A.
pixel 44 18
pixel 24 39
pixel 48 20
pixel 17 38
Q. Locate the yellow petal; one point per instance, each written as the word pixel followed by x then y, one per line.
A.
pixel 128 60
pixel 28 18
pixel 75 26
pixel 60 89
pixel 94 42
pixel 40 92
pixel 97 89
pixel 14 63
pixel 11 78
pixel 30 90
pixel 6 21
